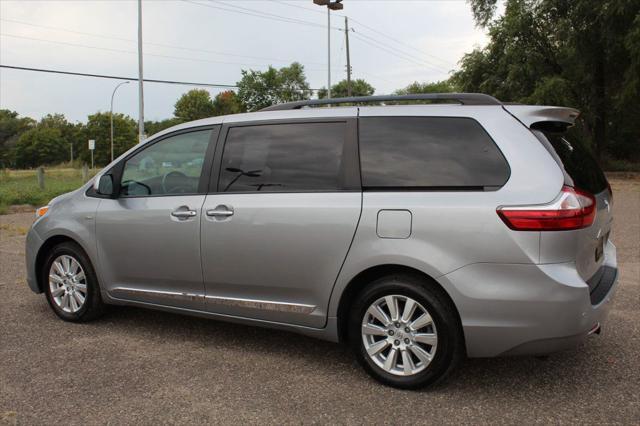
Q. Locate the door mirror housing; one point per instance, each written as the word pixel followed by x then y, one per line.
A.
pixel 105 186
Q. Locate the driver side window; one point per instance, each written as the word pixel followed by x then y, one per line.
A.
pixel 169 167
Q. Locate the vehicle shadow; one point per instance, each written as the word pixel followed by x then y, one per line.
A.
pixel 506 376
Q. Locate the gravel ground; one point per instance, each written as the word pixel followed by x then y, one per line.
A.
pixel 140 366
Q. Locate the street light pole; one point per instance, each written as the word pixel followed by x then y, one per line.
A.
pixel 111 114
pixel 140 78
pixel 328 53
pixel 331 5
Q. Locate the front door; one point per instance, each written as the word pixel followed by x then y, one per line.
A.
pixel 149 237
pixel 275 234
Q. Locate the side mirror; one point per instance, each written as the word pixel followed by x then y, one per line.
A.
pixel 105 186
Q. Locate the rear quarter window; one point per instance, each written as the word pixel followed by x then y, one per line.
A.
pixel 429 152
pixel 580 167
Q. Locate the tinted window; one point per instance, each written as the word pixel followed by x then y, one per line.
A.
pixel 429 152
pixel 283 157
pixel 578 163
pixel 170 166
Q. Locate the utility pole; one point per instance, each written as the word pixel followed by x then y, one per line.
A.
pixel 140 78
pixel 331 5
pixel 71 148
pixel 346 38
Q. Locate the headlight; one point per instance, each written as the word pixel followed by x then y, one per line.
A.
pixel 42 211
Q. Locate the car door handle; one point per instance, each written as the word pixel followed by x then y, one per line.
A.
pixel 183 214
pixel 220 211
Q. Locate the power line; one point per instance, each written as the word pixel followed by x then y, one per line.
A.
pixel 303 8
pixel 116 77
pixel 362 37
pixel 375 76
pixel 443 61
pixel 170 46
pixel 267 15
pixel 149 43
pixel 397 53
pixel 378 44
pixel 391 52
pixel 108 49
pixel 259 14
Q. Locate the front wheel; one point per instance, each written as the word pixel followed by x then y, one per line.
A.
pixel 405 333
pixel 71 285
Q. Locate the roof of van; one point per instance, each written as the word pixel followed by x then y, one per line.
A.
pixel 526 114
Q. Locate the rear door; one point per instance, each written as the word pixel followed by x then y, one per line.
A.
pixel 276 231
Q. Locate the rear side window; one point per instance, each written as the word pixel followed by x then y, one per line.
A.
pixel 429 152
pixel 283 158
pixel 579 165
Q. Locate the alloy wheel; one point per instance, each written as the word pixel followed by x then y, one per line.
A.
pixel 67 283
pixel 399 335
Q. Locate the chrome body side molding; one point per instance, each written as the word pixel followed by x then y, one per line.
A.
pixel 267 305
pixel 261 304
pixel 126 292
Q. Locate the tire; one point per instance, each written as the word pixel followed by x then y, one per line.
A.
pixel 84 288
pixel 445 351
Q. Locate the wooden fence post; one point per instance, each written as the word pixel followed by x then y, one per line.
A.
pixel 40 175
pixel 85 172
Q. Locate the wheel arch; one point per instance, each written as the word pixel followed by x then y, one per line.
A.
pixel 45 248
pixel 360 281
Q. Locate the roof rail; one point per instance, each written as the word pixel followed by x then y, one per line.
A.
pixel 462 98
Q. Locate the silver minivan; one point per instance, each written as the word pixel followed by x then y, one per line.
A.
pixel 418 229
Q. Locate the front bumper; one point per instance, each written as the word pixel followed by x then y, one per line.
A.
pixel 527 309
pixel 32 246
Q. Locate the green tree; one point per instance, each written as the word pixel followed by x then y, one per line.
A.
pixel 71 134
pixel 445 86
pixel 125 135
pixel 260 89
pixel 48 142
pixel 359 87
pixel 41 146
pixel 194 105
pixel 227 102
pixel 579 53
pixel 11 127
pixel 153 127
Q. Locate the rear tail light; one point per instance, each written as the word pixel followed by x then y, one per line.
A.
pixel 572 209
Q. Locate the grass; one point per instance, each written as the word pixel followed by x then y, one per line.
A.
pixel 18 187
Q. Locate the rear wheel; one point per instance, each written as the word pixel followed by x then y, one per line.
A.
pixel 71 285
pixel 405 333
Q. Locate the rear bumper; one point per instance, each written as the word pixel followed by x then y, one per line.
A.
pixel 527 309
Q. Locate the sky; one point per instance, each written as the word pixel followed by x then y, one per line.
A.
pixel 392 43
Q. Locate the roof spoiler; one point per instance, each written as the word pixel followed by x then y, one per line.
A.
pixel 533 116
